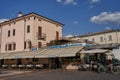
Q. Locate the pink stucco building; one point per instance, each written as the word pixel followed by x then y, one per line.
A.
pixel 27 32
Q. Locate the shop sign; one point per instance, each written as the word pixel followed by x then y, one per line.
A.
pixel 34 49
pixel 70 45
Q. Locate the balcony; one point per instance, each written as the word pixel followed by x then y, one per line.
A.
pixel 42 37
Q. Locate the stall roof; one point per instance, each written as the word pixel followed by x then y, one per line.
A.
pixel 70 52
pixel 60 52
pixel 2 55
pixel 43 53
pixel 25 54
pixel 95 51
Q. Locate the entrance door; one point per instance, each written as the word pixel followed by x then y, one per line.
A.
pixel 55 63
pixel 39 44
pixel 1 62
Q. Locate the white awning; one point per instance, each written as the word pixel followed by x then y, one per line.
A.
pixel 95 51
pixel 48 53
pixel 59 52
pixel 43 53
pixel 70 52
pixel 25 54
pixel 2 55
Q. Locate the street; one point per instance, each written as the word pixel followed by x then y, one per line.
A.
pixel 63 75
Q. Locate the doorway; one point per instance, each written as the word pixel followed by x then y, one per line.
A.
pixel 55 63
pixel 1 62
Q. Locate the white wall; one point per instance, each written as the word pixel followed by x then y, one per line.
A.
pixel 116 53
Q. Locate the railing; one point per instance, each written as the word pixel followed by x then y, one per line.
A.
pixel 42 37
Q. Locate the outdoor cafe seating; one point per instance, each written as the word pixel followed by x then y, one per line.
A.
pixel 38 66
pixel 5 66
pixel 14 66
pixel 29 66
pixel 21 66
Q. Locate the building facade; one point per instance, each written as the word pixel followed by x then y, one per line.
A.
pixel 105 37
pixel 28 32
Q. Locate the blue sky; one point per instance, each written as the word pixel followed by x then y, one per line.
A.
pixel 79 16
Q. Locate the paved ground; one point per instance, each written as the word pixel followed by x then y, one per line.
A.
pixel 62 75
pixel 10 73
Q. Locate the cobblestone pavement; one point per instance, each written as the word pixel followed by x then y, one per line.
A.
pixel 63 75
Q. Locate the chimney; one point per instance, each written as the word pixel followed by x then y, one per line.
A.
pixel 19 14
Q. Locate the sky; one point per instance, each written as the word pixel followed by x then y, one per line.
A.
pixel 79 16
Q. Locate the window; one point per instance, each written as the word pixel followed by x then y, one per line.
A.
pixel 39 32
pixel 13 32
pixel 57 35
pixel 110 38
pixel 14 46
pixel 101 39
pixel 86 40
pixel 29 18
pixel 24 45
pixel 28 28
pixel 6 47
pixel 39 19
pixel 8 33
pixel 29 44
pixel 34 18
pixel 9 46
pixel 25 20
pixel 39 44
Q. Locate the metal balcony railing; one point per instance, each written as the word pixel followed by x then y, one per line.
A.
pixel 42 37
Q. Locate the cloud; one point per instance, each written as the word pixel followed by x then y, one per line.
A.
pixel 94 1
pixel 67 2
pixel 108 28
pixel 76 22
pixel 2 20
pixel 107 18
pixel 91 6
pixel 68 36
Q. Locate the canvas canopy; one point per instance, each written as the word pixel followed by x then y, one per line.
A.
pixel 95 51
pixel 43 53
